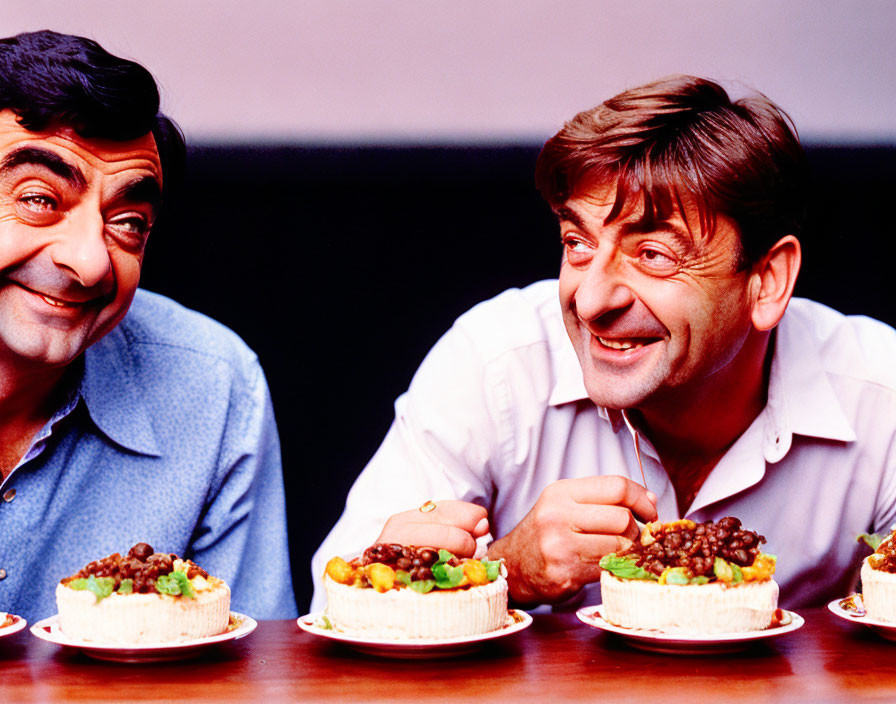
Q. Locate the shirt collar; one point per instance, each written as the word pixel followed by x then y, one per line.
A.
pixel 801 400
pixel 113 395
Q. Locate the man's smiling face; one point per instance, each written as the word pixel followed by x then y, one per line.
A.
pixel 651 311
pixel 74 217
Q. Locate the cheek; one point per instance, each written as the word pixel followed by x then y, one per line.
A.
pixel 569 284
pixel 126 268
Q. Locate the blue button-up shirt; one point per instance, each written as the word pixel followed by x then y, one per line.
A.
pixel 166 437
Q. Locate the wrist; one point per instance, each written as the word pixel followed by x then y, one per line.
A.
pixel 520 592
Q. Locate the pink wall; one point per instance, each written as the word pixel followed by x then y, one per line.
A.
pixel 492 70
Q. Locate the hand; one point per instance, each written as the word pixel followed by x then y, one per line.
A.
pixel 452 525
pixel 554 550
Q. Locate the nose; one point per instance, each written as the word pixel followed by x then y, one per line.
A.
pixel 81 249
pixel 603 289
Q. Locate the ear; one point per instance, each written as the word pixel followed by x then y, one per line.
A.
pixel 773 279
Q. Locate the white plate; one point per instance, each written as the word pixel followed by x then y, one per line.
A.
pixel 686 644
pixel 17 625
pixel 886 629
pixel 48 630
pixel 418 647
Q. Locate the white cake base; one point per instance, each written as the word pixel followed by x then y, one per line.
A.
pixel 878 593
pixel 403 613
pixel 696 609
pixel 142 618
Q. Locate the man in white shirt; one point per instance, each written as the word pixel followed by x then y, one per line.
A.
pixel 693 386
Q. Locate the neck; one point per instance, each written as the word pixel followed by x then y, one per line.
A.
pixel 27 401
pixel 692 429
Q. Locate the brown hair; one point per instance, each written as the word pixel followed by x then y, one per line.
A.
pixel 683 138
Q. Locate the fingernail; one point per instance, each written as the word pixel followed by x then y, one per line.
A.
pixel 481 527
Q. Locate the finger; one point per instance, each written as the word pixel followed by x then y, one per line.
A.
pixel 614 490
pixel 604 520
pixel 430 535
pixel 482 528
pixel 461 514
pixel 591 548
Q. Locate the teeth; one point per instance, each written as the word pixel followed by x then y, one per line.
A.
pixel 616 345
pixel 53 302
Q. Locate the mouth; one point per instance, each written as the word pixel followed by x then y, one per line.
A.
pixel 626 344
pixel 55 301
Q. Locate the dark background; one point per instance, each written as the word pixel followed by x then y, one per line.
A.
pixel 341 266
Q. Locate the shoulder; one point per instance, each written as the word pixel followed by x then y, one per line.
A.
pixel 514 319
pixel 156 325
pixel 512 349
pixel 851 346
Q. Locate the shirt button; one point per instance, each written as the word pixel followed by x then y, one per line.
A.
pixel 2 574
pixel 9 495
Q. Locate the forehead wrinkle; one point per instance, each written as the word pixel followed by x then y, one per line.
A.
pixel 45 158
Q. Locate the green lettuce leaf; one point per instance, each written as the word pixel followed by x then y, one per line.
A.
pixel 677 575
pixel 403 576
pixel 492 569
pixel 126 586
pixel 446 576
pixel 100 586
pixel 872 540
pixel 727 571
pixel 175 584
pixel 422 586
pixel 624 567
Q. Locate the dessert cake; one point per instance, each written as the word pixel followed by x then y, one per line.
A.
pixel 691 578
pixel 398 592
pixel 878 576
pixel 145 597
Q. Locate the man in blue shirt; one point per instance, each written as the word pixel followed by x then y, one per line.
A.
pixel 124 417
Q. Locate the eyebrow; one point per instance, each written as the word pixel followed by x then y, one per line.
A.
pixel 35 156
pixel 569 215
pixel 144 189
pixel 681 236
pixel 637 227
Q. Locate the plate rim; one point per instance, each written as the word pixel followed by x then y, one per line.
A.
pixel 19 625
pixel 835 608
pixel 525 620
pixel 54 636
pixel 588 619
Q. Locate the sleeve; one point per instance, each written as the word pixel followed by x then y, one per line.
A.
pixel 443 444
pixel 885 508
pixel 243 532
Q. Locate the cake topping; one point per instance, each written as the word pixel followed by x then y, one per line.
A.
pixel 685 552
pixel 385 566
pixel 884 557
pixel 142 571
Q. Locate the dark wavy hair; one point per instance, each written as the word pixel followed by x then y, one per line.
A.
pixel 684 138
pixel 49 79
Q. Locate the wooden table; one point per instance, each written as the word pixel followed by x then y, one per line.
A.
pixel 556 659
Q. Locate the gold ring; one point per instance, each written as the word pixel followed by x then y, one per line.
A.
pixel 428 506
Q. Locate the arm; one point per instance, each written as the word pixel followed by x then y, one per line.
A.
pixel 438 448
pixel 243 532
pixel 555 549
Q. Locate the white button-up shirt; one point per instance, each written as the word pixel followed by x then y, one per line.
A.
pixel 498 411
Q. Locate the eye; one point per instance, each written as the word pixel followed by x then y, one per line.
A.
pixel 578 251
pixel 657 260
pixel 132 225
pixel 38 201
pixel 37 208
